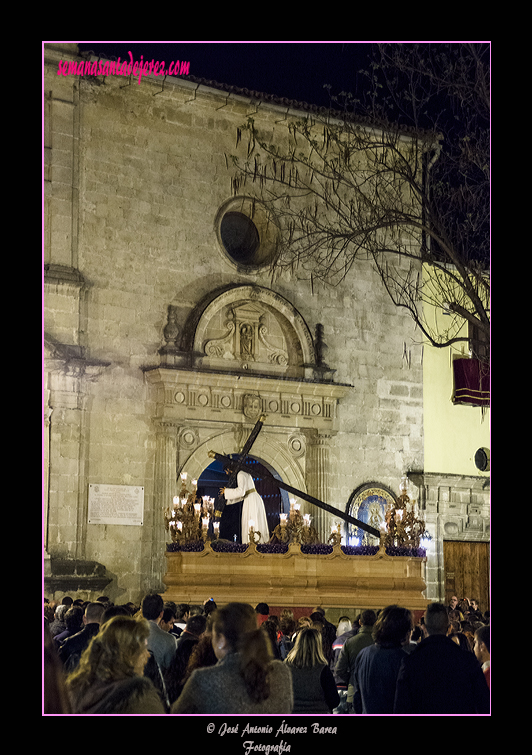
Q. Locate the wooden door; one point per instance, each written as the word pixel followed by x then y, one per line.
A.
pixel 467 571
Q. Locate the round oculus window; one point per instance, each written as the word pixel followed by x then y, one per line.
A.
pixel 240 238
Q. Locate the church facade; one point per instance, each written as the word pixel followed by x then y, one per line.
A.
pixel 162 343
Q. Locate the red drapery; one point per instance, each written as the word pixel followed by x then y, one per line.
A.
pixel 471 382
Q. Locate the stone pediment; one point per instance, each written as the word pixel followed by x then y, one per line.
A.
pixel 245 329
pixel 252 329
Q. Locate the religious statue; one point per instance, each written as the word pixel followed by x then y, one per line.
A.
pixel 253 511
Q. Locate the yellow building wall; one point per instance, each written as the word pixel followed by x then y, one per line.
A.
pixel 453 433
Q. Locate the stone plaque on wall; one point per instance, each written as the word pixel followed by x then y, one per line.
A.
pixel 116 504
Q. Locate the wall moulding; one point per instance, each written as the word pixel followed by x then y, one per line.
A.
pixel 189 395
pixel 460 502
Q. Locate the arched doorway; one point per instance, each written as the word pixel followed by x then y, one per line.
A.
pixel 213 478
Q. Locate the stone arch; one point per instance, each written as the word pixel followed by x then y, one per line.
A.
pixel 253 329
pixel 265 448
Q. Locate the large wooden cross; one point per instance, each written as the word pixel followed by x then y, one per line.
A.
pixel 237 464
pixel 240 464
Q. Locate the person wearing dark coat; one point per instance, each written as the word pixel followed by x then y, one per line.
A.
pixel 72 648
pixel 346 662
pixel 438 677
pixel 58 625
pixel 74 624
pixel 186 642
pixel 377 666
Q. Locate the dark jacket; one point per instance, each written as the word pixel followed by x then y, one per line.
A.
pixel 346 661
pixel 72 648
pixel 438 677
pixel 375 678
pixel 174 676
pixel 314 689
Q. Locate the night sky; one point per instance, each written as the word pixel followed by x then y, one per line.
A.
pixel 293 70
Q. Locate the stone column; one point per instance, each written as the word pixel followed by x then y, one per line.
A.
pixel 47 413
pixel 66 510
pixel 317 474
pixel 165 487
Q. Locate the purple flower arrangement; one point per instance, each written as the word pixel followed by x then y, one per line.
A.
pixel 396 550
pixel 360 550
pixel 272 548
pixel 316 549
pixel 224 546
pixel 193 546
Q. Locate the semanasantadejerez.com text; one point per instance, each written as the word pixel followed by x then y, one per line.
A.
pixel 104 67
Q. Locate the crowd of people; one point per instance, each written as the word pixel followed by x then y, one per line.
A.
pixel 166 658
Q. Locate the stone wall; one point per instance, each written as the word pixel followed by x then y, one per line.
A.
pixel 135 179
pixel 457 508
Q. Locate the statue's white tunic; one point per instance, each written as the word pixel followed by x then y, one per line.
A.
pixel 253 506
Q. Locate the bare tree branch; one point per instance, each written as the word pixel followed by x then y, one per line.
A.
pixel 413 199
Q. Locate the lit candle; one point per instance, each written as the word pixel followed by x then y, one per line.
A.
pixel 216 526
pixel 176 500
pixel 195 483
pixel 180 525
pixel 205 522
pixel 183 476
pixel 283 518
pixel 306 520
pixel 251 524
pixel 197 508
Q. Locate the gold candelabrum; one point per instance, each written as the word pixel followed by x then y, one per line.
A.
pixel 189 518
pixel 295 527
pixel 335 538
pixel 254 536
pixel 403 523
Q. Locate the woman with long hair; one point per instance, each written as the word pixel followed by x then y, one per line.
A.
pixel 109 678
pixel 245 679
pixel 313 683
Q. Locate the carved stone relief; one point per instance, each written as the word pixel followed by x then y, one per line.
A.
pixel 253 337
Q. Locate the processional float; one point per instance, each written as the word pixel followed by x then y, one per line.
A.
pixel 281 572
pixel 239 464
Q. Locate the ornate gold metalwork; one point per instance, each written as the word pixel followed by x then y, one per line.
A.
pixel 335 538
pixel 190 516
pixel 403 526
pixel 295 528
